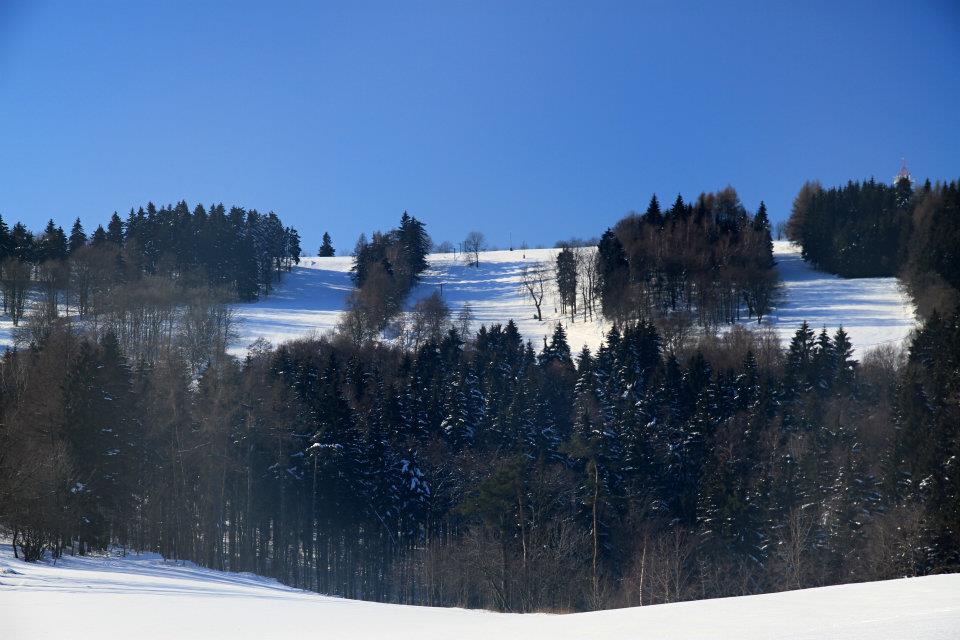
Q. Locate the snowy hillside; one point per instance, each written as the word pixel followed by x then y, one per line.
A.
pixel 873 310
pixel 311 298
pixel 145 597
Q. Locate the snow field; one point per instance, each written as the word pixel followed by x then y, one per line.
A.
pixel 309 301
pixel 311 298
pixel 146 597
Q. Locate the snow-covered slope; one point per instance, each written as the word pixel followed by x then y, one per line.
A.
pixel 311 298
pixel 873 310
pixel 145 597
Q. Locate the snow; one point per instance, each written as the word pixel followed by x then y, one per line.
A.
pixel 309 301
pixel 145 597
pixel 311 298
pixel 873 311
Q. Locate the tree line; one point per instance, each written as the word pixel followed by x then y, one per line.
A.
pixel 473 471
pixel 237 251
pixel 868 229
pixel 160 282
pixel 709 261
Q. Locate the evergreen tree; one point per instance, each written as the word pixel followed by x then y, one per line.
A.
pixel 96 423
pixel 567 281
pixel 115 230
pixel 613 273
pixel 22 244
pixel 78 238
pixel 800 359
pixel 6 241
pixel 653 216
pixel 326 247
pixel 678 211
pixel 823 362
pixel 845 365
pixel 52 245
pixel 99 237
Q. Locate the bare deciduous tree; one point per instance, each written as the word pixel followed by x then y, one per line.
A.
pixel 587 278
pixel 430 319
pixel 533 282
pixel 473 244
pixel 464 320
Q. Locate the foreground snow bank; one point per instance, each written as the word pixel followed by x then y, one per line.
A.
pixel 146 597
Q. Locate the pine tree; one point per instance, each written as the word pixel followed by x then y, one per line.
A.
pixel 800 359
pixel 291 249
pixel 99 237
pixel 844 364
pixel 326 247
pixel 653 216
pixel 78 238
pixel 6 241
pixel 115 230
pixel 678 211
pixel 414 245
pixel 613 274
pixel 567 281
pixel 761 222
pixel 823 362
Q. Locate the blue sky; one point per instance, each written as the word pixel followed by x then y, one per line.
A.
pixel 534 121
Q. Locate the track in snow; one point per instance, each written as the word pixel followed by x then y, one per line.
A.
pixel 144 597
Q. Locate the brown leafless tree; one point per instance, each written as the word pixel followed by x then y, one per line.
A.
pixel 533 282
pixel 473 244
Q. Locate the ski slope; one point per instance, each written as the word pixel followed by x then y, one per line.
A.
pixel 873 311
pixel 311 298
pixel 144 597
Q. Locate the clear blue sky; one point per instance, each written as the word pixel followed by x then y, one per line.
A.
pixel 540 120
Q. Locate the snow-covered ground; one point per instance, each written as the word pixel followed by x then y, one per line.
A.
pixel 309 300
pixel 873 311
pixel 145 597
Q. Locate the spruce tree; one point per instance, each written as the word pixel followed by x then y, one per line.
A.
pixel 78 238
pixel 6 241
pixel 326 247
pixel 844 364
pixel 115 230
pixel 653 216
pixel 99 236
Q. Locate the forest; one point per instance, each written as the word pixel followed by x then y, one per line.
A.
pixel 238 251
pixel 159 281
pixel 465 468
pixel 867 229
pixel 476 472
pixel 709 262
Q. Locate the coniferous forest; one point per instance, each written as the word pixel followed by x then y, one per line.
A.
pixel 873 229
pixel 471 469
pixel 158 282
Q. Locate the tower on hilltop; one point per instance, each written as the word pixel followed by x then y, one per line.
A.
pixel 903 174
